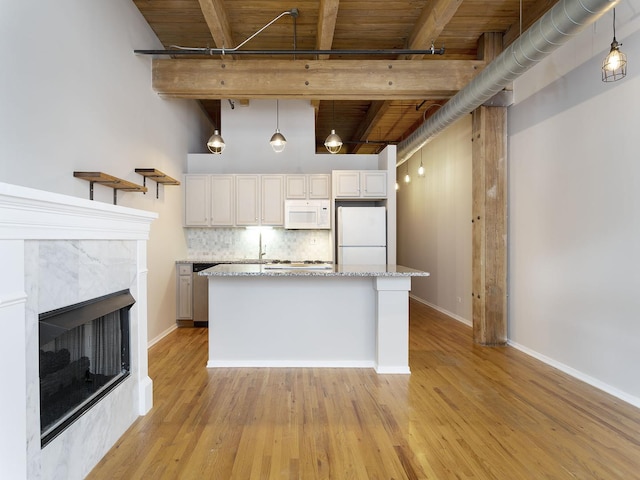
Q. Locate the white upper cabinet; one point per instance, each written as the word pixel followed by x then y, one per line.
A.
pixel 196 200
pixel 373 183
pixel 360 183
pixel 317 186
pixel 247 200
pixel 296 186
pixel 272 200
pixel 208 200
pixel 229 200
pixel 222 200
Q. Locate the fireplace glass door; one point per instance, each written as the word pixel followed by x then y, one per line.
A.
pixel 84 354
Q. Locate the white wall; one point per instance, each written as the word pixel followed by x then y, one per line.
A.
pixel 434 221
pixel 574 219
pixel 247 130
pixel 73 97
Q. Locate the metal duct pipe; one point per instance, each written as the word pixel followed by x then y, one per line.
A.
pixel 564 20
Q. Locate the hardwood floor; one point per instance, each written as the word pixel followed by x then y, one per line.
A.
pixel 465 412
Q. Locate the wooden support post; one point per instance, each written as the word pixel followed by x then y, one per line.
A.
pixel 489 233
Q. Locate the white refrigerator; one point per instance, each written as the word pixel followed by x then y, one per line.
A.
pixel 362 235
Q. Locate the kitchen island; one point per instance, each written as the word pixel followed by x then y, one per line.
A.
pixel 340 316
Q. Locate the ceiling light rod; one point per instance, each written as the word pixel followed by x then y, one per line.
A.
pixel 223 51
pixel 293 12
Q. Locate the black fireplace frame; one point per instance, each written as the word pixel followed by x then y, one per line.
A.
pixel 54 323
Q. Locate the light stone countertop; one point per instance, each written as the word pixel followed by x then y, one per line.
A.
pixel 260 270
pixel 226 260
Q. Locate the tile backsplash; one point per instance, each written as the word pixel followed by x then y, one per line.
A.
pixel 243 243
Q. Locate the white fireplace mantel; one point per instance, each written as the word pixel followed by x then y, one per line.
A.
pixel 34 223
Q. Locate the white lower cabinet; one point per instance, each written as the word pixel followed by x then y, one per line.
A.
pixel 184 292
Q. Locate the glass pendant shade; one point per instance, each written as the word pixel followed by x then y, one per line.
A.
pixel 216 144
pixel 278 142
pixel 421 170
pixel 333 143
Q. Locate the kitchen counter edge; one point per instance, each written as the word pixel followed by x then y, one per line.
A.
pixel 259 270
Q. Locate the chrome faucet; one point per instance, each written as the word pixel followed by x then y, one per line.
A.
pixel 260 252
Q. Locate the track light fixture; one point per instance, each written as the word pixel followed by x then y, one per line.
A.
pixel 278 142
pixel 614 66
pixel 216 144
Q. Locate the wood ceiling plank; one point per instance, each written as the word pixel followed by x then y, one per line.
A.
pixel 312 79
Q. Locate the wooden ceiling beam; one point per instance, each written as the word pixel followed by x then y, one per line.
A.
pixel 532 15
pixel 434 18
pixel 218 22
pixel 376 112
pixel 312 79
pixel 327 16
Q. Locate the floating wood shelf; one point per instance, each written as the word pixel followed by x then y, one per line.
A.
pixel 157 176
pixel 109 181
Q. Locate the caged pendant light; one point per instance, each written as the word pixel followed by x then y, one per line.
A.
pixel 614 66
pixel 333 143
pixel 278 142
pixel 216 144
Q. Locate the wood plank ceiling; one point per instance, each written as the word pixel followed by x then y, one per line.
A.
pixel 370 100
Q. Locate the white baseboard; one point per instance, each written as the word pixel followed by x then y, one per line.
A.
pixel 625 397
pixel 288 364
pixel 442 310
pixel 594 382
pixel 155 340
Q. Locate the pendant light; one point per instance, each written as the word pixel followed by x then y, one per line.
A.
pixel 421 167
pixel 333 143
pixel 407 178
pixel 278 142
pixel 614 66
pixel 216 144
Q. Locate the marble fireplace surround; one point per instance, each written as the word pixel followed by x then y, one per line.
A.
pixel 57 250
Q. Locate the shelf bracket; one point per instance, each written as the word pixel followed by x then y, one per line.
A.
pixel 158 176
pixel 108 181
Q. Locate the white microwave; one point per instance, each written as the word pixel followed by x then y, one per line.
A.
pixel 307 214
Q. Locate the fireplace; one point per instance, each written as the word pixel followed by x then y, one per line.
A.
pixel 56 251
pixel 84 354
